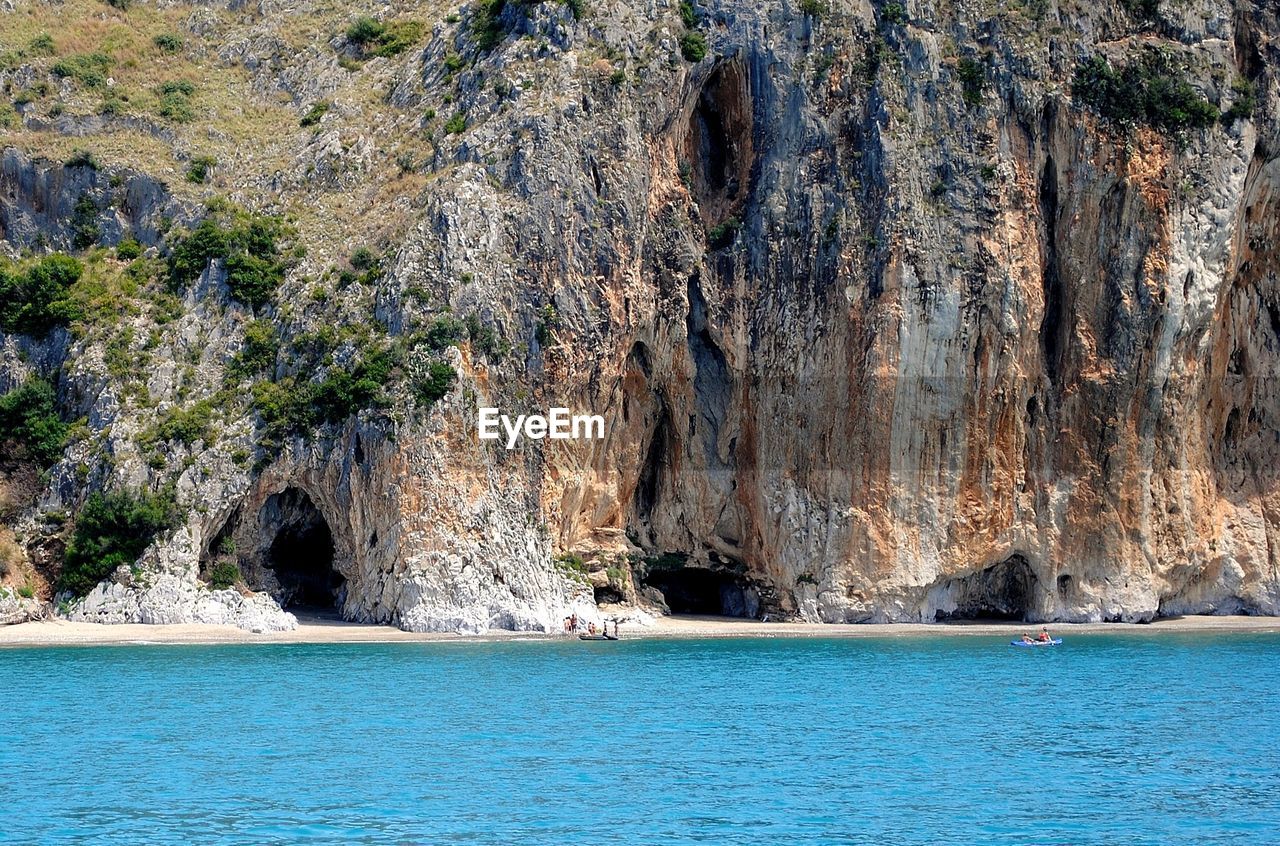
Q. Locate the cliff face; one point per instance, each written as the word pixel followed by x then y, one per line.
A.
pixel 888 319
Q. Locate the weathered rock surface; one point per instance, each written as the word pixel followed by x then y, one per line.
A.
pixel 869 349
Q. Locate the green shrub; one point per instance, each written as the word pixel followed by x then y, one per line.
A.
pixel 176 86
pixel 723 234
pixel 547 325
pixel 375 38
pixel 34 300
pixel 224 574
pixel 29 420
pixel 315 113
pixel 8 117
pixel 398 37
pixel 184 425
pixel 82 158
pixel 175 101
pixel 1146 91
pixel 88 69
pixel 1143 11
pixel 112 529
pixel 445 331
pixel 128 249
pixel 253 280
pixel 289 407
pixel 456 124
pixel 344 392
pixel 122 5
pixel 894 14
pixel 365 30
pixel 363 258
pixel 248 245
pixel 688 14
pixel 973 80
pixel 261 346
pixel 484 339
pixel 486 23
pixel 1246 100
pixel 84 223
pixel 435 385
pixel 813 8
pixel 168 43
pixel 41 45
pixel 571 566
pixel 693 46
pixel 198 170
pixel 281 406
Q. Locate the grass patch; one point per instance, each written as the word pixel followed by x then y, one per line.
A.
pixel 315 113
pixel 87 69
pixel 175 101
pixel 375 38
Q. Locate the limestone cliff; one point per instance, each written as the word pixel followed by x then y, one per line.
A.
pixel 895 311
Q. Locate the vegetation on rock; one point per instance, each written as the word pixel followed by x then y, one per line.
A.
pixel 1147 91
pixel 248 245
pixel 30 425
pixel 113 529
pixel 35 299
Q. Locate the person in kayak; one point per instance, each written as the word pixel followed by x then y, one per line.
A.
pixel 1044 635
pixel 1026 638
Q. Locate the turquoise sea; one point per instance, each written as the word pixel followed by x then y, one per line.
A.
pixel 1109 739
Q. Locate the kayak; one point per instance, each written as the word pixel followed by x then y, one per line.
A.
pixel 596 637
pixel 1053 642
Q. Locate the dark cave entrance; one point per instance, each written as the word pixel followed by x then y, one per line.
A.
pixel 301 555
pixel 608 594
pixel 699 590
pixel 1002 591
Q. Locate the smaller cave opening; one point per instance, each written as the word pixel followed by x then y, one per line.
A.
pixel 302 555
pixel 699 590
pixel 608 594
pixel 1003 591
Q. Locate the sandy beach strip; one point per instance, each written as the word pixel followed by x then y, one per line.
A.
pixel 64 633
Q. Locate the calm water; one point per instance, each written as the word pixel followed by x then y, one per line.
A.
pixel 1107 739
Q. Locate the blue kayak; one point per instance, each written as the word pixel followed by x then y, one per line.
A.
pixel 1053 642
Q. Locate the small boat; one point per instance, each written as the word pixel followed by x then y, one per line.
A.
pixel 597 637
pixel 1054 642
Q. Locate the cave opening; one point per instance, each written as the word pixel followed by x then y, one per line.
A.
pixel 1003 591
pixel 699 590
pixel 302 555
pixel 719 140
pixel 1052 334
pixel 608 594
